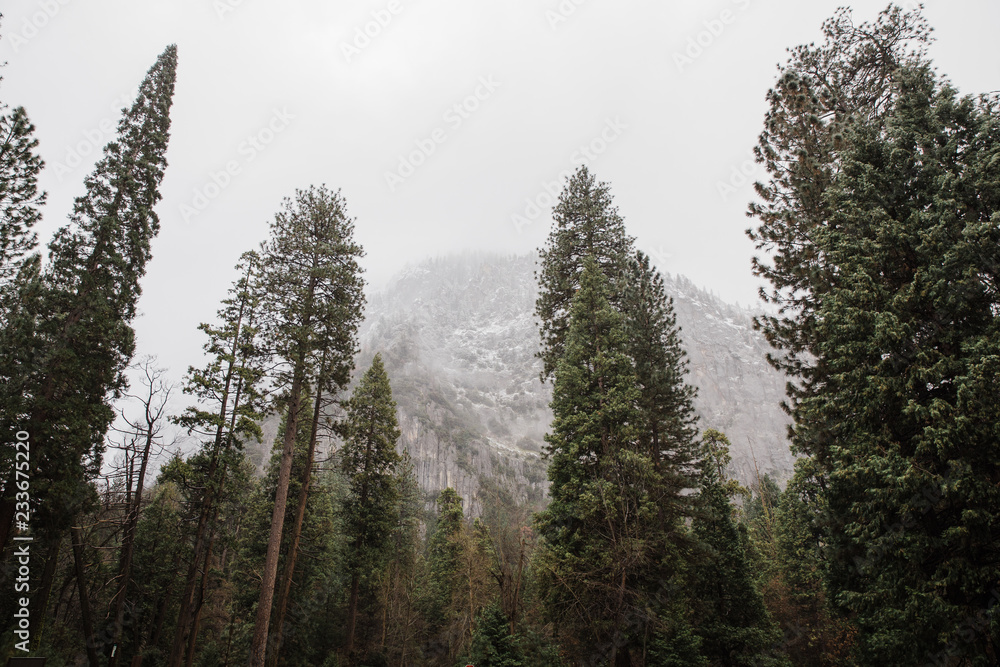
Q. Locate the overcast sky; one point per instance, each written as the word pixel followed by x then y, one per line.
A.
pixel 485 102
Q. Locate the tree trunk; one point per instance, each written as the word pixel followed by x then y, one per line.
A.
pixel 190 582
pixel 201 602
pixel 81 582
pixel 48 575
pixel 258 646
pixel 300 514
pixel 128 540
pixel 352 613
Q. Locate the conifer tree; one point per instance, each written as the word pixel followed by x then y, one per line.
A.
pixel 587 224
pixel 20 200
pixel 230 406
pixel 312 307
pixel 669 432
pixel 492 644
pixel 369 461
pixel 605 548
pixel 819 90
pixel 399 580
pixel 906 424
pixel 730 617
pixel 83 341
pixel 440 580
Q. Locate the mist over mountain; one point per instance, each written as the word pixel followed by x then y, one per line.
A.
pixel 458 338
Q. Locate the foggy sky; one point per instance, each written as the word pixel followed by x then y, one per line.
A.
pixel 487 101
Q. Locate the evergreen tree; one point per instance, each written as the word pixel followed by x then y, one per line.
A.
pixel 369 460
pixel 230 407
pixel 818 635
pixel 587 224
pixel 83 341
pixel 907 422
pixel 492 644
pixel 399 580
pixel 20 199
pixel 852 74
pixel 442 568
pixel 669 432
pixel 604 548
pixel 312 307
pixel 730 617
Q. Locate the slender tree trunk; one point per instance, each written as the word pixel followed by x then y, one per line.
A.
pixel 48 575
pixel 300 513
pixel 190 582
pixel 352 614
pixel 201 603
pixel 81 582
pixel 161 608
pixel 258 646
pixel 128 540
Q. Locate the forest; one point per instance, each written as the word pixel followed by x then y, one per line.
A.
pixel 877 226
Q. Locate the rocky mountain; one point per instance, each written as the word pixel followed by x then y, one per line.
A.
pixel 458 338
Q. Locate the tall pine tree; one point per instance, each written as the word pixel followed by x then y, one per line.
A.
pixel 313 303
pixel 602 559
pixel 82 341
pixel 907 423
pixel 369 461
pixel 730 617
pixel 587 224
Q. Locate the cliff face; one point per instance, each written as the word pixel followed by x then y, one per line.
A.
pixel 458 338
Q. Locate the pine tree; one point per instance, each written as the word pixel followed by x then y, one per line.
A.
pixel 669 432
pixel 821 88
pixel 399 580
pixel 20 200
pixel 312 307
pixel 492 644
pixel 730 618
pixel 83 341
pixel 906 424
pixel 587 224
pixel 369 460
pixel 231 405
pixel 442 569
pixel 604 546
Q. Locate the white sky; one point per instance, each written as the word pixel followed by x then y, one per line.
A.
pixel 677 132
